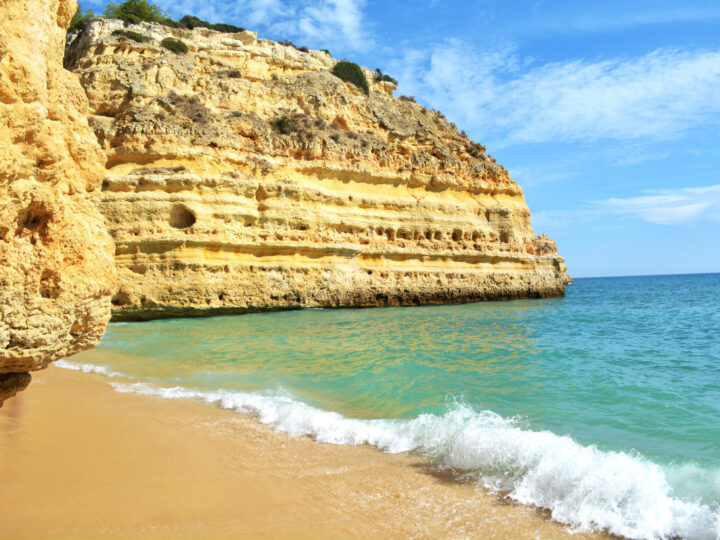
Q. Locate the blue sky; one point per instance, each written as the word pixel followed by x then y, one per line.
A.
pixel 606 113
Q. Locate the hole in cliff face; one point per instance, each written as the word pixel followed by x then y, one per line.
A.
pixel 49 284
pixel 34 219
pixel 121 298
pixel 181 217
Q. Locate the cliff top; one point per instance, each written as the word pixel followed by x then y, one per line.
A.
pixel 304 106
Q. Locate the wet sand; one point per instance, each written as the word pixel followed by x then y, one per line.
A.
pixel 78 460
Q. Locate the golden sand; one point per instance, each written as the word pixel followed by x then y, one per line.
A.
pixel 78 460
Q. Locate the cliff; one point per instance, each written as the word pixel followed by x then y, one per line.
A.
pixel 56 259
pixel 245 176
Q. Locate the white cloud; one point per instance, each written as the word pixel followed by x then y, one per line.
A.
pixel 327 22
pixel 668 207
pixel 315 23
pixel 660 207
pixel 535 176
pixel 506 99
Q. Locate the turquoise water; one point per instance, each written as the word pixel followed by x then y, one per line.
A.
pixel 603 406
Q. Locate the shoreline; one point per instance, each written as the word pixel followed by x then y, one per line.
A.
pixel 79 460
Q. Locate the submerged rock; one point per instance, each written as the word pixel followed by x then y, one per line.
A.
pixel 243 175
pixel 56 267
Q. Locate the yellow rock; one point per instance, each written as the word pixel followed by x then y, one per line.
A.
pixel 363 201
pixel 56 258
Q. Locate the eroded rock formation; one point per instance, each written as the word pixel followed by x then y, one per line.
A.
pixel 363 201
pixel 56 258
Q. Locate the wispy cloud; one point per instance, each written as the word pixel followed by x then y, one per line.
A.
pixel 660 207
pixel 668 207
pixel 534 176
pixel 318 23
pixel 326 22
pixel 508 99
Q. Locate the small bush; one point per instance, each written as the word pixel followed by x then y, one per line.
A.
pixel 135 11
pixel 231 73
pixel 131 35
pixel 289 43
pixel 191 22
pixel 174 45
pixel 380 77
pixel 78 22
pixel 170 23
pixel 326 51
pixel 352 73
pixel 408 98
pixel 284 125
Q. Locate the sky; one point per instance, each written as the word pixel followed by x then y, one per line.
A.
pixel 606 113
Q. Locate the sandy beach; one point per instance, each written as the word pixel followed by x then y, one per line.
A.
pixel 78 460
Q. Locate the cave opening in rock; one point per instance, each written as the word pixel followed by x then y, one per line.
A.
pixel 181 217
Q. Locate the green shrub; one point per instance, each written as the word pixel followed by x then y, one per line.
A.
pixel 78 22
pixel 135 11
pixel 352 73
pixel 284 125
pixel 174 45
pixel 326 51
pixel 226 28
pixel 170 23
pixel 131 35
pixel 289 43
pixel 190 22
pixel 380 76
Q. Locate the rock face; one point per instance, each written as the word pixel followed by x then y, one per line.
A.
pixel 56 258
pixel 12 383
pixel 362 201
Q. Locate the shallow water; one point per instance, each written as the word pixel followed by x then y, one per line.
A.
pixel 603 406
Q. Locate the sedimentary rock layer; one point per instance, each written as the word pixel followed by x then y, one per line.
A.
pixel 56 265
pixel 245 176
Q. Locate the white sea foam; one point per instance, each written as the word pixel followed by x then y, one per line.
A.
pixel 87 368
pixel 581 485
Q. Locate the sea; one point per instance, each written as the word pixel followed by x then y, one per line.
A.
pixel 602 407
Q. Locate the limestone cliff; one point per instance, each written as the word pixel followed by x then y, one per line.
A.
pixel 357 200
pixel 56 266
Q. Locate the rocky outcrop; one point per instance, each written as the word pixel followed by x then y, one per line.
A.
pixel 217 204
pixel 56 265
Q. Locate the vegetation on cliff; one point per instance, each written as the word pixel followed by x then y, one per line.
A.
pixel 135 36
pixel 175 45
pixel 284 125
pixel 79 20
pixel 382 77
pixel 352 73
pixel 137 11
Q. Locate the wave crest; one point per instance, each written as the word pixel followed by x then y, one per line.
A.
pixel 581 485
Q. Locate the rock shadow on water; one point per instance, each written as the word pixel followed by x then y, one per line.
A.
pixel 12 383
